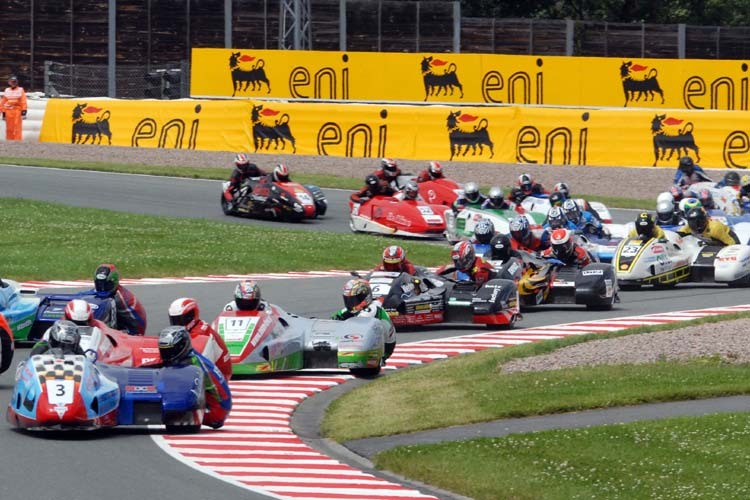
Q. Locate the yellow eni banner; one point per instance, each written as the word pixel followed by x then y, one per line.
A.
pixel 503 134
pixel 470 78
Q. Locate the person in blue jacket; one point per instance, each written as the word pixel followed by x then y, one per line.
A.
pixel 689 173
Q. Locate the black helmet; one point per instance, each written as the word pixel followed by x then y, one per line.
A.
pixel 697 219
pixel 644 225
pixel 732 179
pixel 106 278
pixel 174 344
pixel 500 247
pixel 686 165
pixel 557 198
pixel 516 195
pixel 64 335
pixel 372 181
pixel 484 231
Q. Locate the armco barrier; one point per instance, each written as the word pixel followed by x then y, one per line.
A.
pixel 471 79
pixel 507 134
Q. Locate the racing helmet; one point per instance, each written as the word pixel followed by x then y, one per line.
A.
pixel 435 169
pixel 242 162
pixel 471 192
pixel 644 225
pixel 697 219
pixel 745 181
pixel 184 312
pixel 372 182
pixel 106 278
pixel 357 295
pixel 562 187
pixel 686 165
pixel 393 258
pixel 78 311
pixel 556 199
pixel 571 211
pixel 516 195
pixel 64 334
pixel 525 182
pixel 484 231
pixel 247 295
pixel 687 203
pixel 664 208
pixel 389 167
pixel 519 228
pixel 12 79
pixel 732 179
pixel 496 196
pixel 556 217
pixel 500 247
pixel 281 173
pixel 562 243
pixel 463 255
pixel 174 344
pixel 706 198
pixel 411 191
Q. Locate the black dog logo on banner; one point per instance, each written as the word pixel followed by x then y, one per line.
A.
pixel 476 137
pixel 264 134
pixel 244 72
pixel 434 82
pixel 89 124
pixel 674 143
pixel 644 87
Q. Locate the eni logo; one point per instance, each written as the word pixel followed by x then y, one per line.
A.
pixel 357 140
pixel 324 83
pixel 171 134
pixel 517 88
pixel 560 140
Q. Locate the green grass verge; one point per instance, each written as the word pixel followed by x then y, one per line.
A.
pixel 222 173
pixel 46 241
pixel 678 458
pixel 471 388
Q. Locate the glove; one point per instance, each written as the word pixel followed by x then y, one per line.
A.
pixel 23 114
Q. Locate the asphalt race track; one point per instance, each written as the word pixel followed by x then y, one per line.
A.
pixel 126 464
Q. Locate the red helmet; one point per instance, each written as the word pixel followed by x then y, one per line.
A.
pixel 281 173
pixel 463 255
pixel 184 312
pixel 393 258
pixel 390 167
pixel 435 169
pixel 562 243
pixel 79 312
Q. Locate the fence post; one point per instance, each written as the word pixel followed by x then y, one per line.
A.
pixel 227 24
pixel 112 50
pixel 681 41
pixel 531 36
pixel 643 39
pixel 416 30
pixel 457 27
pixel 569 30
pixel 342 25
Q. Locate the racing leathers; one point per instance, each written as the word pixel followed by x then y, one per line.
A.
pixel 657 233
pixel 13 108
pixel 715 232
pixel 425 175
pixel 406 267
pixel 505 205
pixel 216 349
pixel 462 203
pixel 238 177
pixel 390 181
pixel 579 256
pixel 218 395
pixel 698 175
pixel 532 243
pixel 367 192
pixel 480 272
pixel 374 310
pixel 131 315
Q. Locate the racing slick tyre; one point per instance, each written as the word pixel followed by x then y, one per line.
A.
pixel 226 206
pixel 365 372
pixel 630 287
pixel 183 429
pixel 6 350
